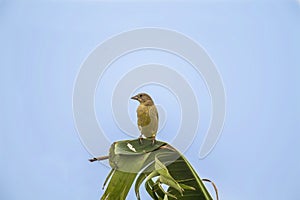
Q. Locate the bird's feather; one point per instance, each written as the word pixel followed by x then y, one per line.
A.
pixel 143 115
pixel 147 120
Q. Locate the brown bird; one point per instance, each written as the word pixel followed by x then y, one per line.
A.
pixel 147 116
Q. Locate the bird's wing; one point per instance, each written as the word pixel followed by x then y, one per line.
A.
pixel 154 118
pixel 153 112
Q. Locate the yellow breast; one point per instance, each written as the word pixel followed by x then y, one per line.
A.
pixel 143 115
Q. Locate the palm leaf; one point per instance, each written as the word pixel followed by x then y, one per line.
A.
pixel 154 165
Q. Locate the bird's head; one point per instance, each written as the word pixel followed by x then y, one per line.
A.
pixel 143 98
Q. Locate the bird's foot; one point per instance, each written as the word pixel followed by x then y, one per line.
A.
pixel 141 140
pixel 153 141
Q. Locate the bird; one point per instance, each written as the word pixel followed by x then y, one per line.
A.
pixel 147 116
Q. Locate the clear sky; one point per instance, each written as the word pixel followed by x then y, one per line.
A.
pixel 254 44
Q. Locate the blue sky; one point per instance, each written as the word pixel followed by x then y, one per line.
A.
pixel 254 44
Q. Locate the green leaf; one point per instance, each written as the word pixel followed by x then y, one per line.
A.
pixel 119 186
pixel 161 162
pixel 149 188
pixel 165 176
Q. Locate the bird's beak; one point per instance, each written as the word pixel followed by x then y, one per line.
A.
pixel 135 98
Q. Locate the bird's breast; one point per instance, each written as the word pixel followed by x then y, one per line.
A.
pixel 143 115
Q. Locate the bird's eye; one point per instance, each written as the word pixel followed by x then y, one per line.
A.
pixel 140 95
